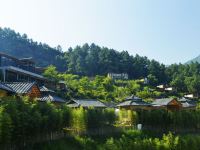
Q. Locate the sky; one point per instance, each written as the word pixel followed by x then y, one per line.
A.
pixel 164 30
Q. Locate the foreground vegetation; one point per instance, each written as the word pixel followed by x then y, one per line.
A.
pixel 25 122
pixel 129 140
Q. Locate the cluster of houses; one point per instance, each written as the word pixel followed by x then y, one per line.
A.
pixel 21 77
pixel 135 103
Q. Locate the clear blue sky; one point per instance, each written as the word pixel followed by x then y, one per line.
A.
pixel 165 30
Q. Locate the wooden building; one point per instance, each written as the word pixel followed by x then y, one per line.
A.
pixel 134 103
pixel 13 69
pixel 30 89
pixel 167 104
pixel 85 103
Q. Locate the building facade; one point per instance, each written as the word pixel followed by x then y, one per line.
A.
pixel 13 69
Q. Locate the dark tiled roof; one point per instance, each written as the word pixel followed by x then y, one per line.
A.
pixel 51 98
pixel 6 88
pixel 133 101
pixel 86 103
pixel 162 102
pixel 45 89
pixel 20 87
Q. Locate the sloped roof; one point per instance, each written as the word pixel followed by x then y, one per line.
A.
pixel 45 89
pixel 20 87
pixel 187 102
pixel 133 101
pixel 85 103
pixel 110 104
pixel 6 88
pixel 133 98
pixel 51 98
pixel 162 102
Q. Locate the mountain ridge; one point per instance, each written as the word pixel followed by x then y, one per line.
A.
pixel 196 59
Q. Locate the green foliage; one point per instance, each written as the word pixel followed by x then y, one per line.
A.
pixel 92 60
pixel 129 141
pixel 51 73
pixel 78 120
pixel 127 117
pixel 162 120
pixel 5 127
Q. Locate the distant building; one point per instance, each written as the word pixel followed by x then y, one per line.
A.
pixel 189 96
pixel 118 76
pixel 163 88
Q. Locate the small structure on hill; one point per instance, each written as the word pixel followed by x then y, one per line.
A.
pixel 118 76
pixel 134 103
pixel 166 88
pixel 189 96
pixel 166 103
pixel 85 103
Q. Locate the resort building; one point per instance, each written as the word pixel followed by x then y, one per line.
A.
pixel 13 69
pixel 134 103
pixel 167 103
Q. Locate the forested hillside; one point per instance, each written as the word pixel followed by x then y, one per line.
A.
pixel 21 46
pixel 86 60
pixel 92 60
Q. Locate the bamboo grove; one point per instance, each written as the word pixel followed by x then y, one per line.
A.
pixel 23 121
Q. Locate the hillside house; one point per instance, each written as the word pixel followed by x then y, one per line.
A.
pixel 13 69
pixel 30 89
pixel 167 104
pixel 134 103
